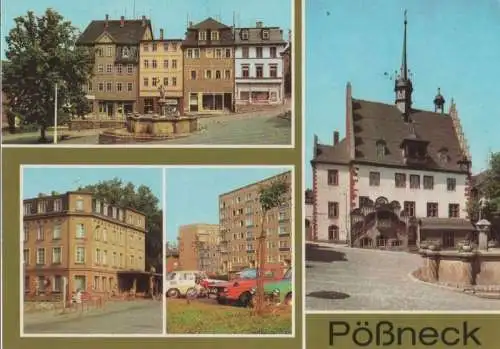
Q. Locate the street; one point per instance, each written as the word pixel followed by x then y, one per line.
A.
pixel 134 317
pixel 342 278
pixel 264 127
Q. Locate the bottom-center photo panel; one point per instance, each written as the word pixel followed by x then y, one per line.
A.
pixel 229 250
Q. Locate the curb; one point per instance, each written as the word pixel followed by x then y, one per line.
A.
pixel 443 287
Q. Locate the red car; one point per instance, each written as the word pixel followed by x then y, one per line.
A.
pixel 238 290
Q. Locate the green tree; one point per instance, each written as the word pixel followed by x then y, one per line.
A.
pixel 270 197
pixel 42 53
pixel 140 198
pixel 488 188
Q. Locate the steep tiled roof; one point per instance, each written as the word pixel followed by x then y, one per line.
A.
pixel 255 36
pixel 131 33
pixel 210 23
pixel 375 122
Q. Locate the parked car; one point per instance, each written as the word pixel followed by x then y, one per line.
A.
pixel 280 291
pixel 239 290
pixel 179 282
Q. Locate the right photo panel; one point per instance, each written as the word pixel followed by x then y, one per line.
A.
pixel 402 166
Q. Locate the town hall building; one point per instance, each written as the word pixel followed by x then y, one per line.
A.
pixel 399 176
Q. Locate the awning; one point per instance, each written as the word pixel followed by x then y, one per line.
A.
pixel 433 223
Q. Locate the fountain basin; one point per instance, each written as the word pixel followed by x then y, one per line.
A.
pixel 150 128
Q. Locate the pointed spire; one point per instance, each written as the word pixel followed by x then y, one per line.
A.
pixel 404 63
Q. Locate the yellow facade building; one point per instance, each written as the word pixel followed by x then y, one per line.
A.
pixel 161 72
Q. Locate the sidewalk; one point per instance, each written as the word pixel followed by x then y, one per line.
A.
pixel 109 307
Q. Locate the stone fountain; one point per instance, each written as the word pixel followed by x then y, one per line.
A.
pixel 153 127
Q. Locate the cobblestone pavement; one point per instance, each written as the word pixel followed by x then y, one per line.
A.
pixel 377 281
pixel 264 128
pixel 139 317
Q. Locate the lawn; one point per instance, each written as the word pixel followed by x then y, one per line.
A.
pixel 208 318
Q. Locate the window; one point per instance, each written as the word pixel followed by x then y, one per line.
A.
pixel 146 82
pixel 165 81
pixel 109 86
pixel 333 209
pixel 451 184
pixel 189 53
pixel 259 70
pixel 202 36
pixel 333 177
pixel 245 70
pixel 218 53
pixel 154 81
pixel 228 53
pixel 125 52
pixel 381 150
pixel 259 52
pixel 90 86
pixel 214 36
pixel 27 209
pixel 196 53
pixel 129 86
pixel 100 52
pixel 56 255
pixel 97 256
pixel 208 74
pixel 105 258
pixel 448 239
pixel 227 74
pixel 409 208
pixel 146 64
pixel 40 256
pixel 100 68
pixel 80 255
pixel 26 231
pixel 119 68
pixel 80 282
pixel 40 234
pixel 333 233
pixel 415 181
pixel 193 74
pixel 119 87
pixel 80 231
pixel 265 34
pixel 130 68
pixel 272 52
pixel 42 205
pixel 155 47
pixel 56 232
pixel 400 180
pixel 165 64
pixel 154 63
pixel 174 63
pixel 245 52
pixel 26 256
pixel 109 68
pixel 244 34
pixel 273 70
pixel 428 182
pixel 57 205
pixel 174 46
pixel 146 47
pixel 453 210
pixel 374 179
pixel 105 235
pixel 165 46
pixel 174 81
pixel 217 75
pixel 432 209
pixel 100 86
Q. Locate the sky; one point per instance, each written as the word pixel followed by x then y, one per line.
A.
pixel 192 194
pixel 66 178
pixel 452 44
pixel 171 15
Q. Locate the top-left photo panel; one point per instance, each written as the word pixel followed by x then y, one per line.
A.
pixel 149 73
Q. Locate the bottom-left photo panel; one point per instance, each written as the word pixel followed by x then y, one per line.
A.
pixel 91 250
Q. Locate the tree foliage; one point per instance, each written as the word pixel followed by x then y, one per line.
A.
pixel 117 192
pixel 488 188
pixel 41 53
pixel 270 197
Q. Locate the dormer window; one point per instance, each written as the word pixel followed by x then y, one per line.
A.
pixel 443 155
pixel 244 34
pixel 381 148
pixel 214 35
pixel 202 36
pixel 125 52
pixel 265 34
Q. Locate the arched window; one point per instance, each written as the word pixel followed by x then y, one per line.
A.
pixel 333 233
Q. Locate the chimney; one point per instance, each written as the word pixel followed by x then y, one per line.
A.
pixel 335 137
pixel 106 21
pixel 122 21
pixel 161 33
pixel 143 21
pixel 258 24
